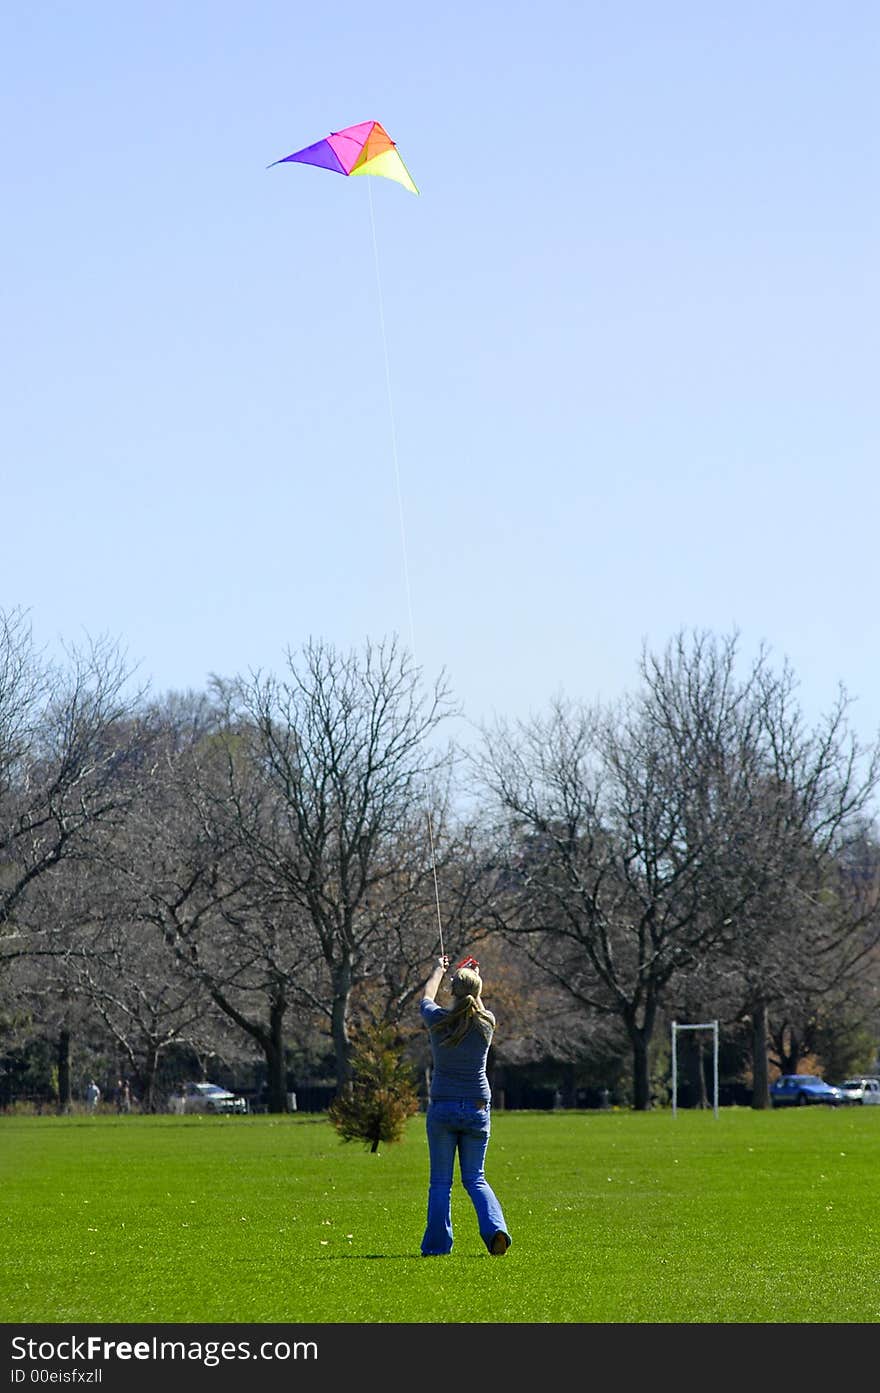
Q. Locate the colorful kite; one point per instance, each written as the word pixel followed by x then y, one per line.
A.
pixel 363 149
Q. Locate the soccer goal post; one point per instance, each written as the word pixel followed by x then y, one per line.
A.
pixel 701 1025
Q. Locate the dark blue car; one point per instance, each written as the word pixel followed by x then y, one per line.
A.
pixel 797 1090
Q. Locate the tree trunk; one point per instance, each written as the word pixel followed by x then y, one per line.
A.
pixel 270 1041
pixel 694 1065
pixel 149 1101
pixel 640 1039
pixel 641 1073
pixel 63 1057
pixel 760 1072
pixel 339 1027
pixel 790 1050
pixel 273 1048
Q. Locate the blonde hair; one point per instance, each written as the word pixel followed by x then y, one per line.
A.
pixel 468 1010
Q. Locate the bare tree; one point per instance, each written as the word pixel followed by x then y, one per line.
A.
pixel 601 882
pixel 343 747
pixel 122 974
pixel 182 873
pixel 68 738
pixel 71 748
pixel 804 923
pixel 638 840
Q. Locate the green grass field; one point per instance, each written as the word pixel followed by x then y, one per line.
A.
pixel 615 1217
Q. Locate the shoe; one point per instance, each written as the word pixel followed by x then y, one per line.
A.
pixel 499 1245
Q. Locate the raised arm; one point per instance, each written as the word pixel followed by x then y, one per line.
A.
pixel 433 983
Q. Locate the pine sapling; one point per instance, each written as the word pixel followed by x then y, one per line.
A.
pixel 382 1094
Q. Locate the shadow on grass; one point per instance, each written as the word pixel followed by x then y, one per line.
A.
pixel 377 1257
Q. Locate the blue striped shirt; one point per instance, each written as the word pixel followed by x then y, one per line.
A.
pixel 459 1071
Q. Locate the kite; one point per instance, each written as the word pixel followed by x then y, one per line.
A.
pixel 468 962
pixel 363 149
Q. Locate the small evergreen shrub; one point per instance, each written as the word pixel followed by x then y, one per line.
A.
pixel 382 1094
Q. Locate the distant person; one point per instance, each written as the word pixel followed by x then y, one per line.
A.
pixel 93 1095
pixel 458 1116
pixel 123 1098
pixel 177 1101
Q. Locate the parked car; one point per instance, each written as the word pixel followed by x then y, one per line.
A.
pixel 797 1090
pixel 862 1090
pixel 206 1097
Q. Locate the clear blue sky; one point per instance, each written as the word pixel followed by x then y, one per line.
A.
pixel 632 329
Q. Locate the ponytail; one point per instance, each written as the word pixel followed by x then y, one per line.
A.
pixel 467 1011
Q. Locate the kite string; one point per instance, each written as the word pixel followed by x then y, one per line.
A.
pixel 400 513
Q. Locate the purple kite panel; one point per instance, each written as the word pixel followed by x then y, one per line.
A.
pixel 322 154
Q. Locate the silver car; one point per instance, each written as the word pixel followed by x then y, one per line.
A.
pixel 862 1090
pixel 208 1097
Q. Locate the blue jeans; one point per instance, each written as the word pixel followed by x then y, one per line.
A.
pixel 462 1128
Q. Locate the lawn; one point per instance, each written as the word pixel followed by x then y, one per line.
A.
pixel 615 1217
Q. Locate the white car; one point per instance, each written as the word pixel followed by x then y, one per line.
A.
pixel 862 1090
pixel 207 1097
